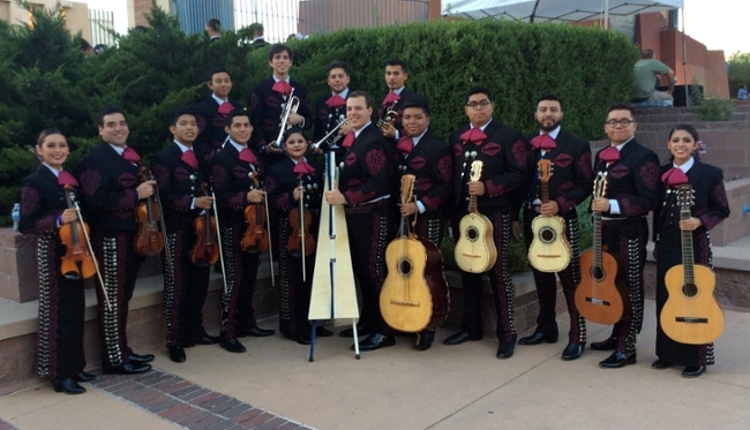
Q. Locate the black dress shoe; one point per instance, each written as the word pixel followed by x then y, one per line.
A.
pixel 573 351
pixel 303 339
pixel 256 331
pixel 693 371
pixel 461 337
pixel 177 354
pixel 537 338
pixel 425 339
pixel 349 333
pixel 661 364
pixel 376 341
pixel 505 349
pixel 145 358
pixel 84 377
pixel 609 344
pixel 67 386
pixel 232 345
pixel 131 368
pixel 322 332
pixel 617 360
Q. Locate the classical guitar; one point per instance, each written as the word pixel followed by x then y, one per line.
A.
pixel 549 250
pixel 415 293
pixel 475 250
pixel 691 314
pixel 599 297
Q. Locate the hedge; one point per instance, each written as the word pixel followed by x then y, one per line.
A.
pixel 45 80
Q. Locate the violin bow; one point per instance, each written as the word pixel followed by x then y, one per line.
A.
pixel 302 226
pixel 163 225
pixel 270 245
pixel 91 250
pixel 218 236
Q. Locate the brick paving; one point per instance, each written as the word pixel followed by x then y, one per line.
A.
pixel 185 404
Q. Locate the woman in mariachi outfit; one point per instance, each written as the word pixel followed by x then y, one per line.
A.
pixel 288 181
pixel 708 210
pixel 44 209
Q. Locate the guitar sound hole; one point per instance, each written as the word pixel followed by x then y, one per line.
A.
pixel 597 273
pixel 689 290
pixel 472 234
pixel 547 235
pixel 404 267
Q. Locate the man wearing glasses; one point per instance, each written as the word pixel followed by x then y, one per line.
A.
pixel 501 149
pixel 632 192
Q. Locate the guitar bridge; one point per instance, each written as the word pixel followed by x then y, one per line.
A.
pixel 598 302
pixel 691 320
pixel 549 255
pixel 470 255
pixel 405 303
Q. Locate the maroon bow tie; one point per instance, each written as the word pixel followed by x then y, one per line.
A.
pixel 609 155
pixel 348 141
pixel 390 98
pixel 188 157
pixel 65 178
pixel 302 168
pixel 282 87
pixel 674 177
pixel 405 145
pixel 225 108
pixel 544 142
pixel 131 156
pixel 335 102
pixel 473 135
pixel 248 157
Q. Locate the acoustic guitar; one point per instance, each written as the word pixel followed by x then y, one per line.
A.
pixel 549 250
pixel 475 251
pixel 414 294
pixel 599 297
pixel 691 314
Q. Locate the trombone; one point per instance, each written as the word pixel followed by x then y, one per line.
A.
pixel 317 144
pixel 292 104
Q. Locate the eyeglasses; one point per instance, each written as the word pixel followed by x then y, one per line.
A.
pixel 623 122
pixel 474 105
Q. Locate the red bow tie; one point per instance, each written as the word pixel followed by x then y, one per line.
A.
pixel 609 155
pixel 335 102
pixel 248 157
pixel 282 87
pixel 302 168
pixel 674 177
pixel 188 157
pixel 544 142
pixel 390 98
pixel 131 156
pixel 405 145
pixel 348 141
pixel 225 108
pixel 473 135
pixel 65 178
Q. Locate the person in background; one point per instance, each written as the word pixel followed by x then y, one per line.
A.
pixel 742 93
pixel 213 27
pixel 646 70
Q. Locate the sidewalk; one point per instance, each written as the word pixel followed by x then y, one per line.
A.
pixel 461 387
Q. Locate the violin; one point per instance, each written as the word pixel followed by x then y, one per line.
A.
pixel 300 219
pixel 255 238
pixel 78 262
pixel 205 252
pixel 150 240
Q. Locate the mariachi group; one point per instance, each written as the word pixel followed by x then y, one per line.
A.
pixel 236 183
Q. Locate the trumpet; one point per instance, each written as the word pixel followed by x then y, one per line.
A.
pixel 292 104
pixel 389 116
pixel 317 144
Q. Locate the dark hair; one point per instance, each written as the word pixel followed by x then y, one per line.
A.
pixel 98 49
pixel 47 132
pixel 235 113
pixel 647 53
pixel 622 106
pixel 109 110
pixel 278 49
pixel 289 132
pixel 183 111
pixel 218 70
pixel 337 65
pixel 368 99
pixel 478 90
pixel 549 97
pixel 214 24
pixel 418 102
pixel 396 62
pixel 85 45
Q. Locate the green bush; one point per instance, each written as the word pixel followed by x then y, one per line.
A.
pixel 45 80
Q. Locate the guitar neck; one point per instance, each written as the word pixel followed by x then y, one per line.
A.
pixel 687 251
pixel 544 191
pixel 597 238
pixel 473 204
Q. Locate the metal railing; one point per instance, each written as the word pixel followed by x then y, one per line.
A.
pixel 102 24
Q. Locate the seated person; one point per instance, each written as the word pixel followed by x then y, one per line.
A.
pixel 646 70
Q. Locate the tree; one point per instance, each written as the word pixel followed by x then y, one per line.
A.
pixel 739 71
